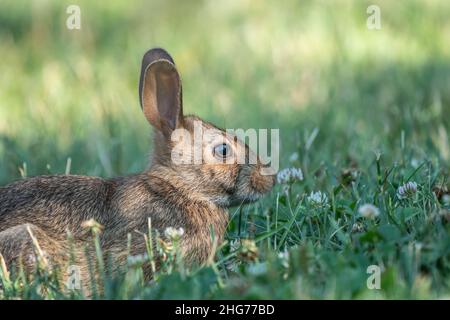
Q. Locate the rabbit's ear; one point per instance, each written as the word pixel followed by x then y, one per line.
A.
pixel 160 91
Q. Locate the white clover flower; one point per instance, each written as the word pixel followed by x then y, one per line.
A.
pixel 246 249
pixel 233 266
pixel 235 244
pixel 357 227
pixel 407 190
pixel 294 157
pixel 369 211
pixel 173 233
pixel 284 258
pixel 317 198
pixel 289 175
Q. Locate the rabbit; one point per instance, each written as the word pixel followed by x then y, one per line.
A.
pixel 194 196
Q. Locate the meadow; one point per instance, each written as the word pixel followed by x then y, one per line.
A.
pixel 363 113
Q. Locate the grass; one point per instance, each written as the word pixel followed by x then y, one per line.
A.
pixel 364 110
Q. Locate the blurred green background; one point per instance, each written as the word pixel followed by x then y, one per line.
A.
pixel 293 65
pixel 339 93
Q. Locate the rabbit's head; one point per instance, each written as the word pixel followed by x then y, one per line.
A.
pixel 210 161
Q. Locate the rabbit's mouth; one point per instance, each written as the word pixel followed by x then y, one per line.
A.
pixel 247 199
pixel 239 201
pixel 251 186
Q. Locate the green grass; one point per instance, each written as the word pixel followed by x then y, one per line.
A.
pixel 345 98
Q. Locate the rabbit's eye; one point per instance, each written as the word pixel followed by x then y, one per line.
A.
pixel 222 150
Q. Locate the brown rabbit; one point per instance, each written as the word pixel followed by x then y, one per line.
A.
pixel 190 195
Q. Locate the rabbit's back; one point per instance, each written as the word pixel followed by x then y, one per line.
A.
pixel 124 204
pixel 55 202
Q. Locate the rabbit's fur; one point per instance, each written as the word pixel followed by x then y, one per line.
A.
pixel 191 196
